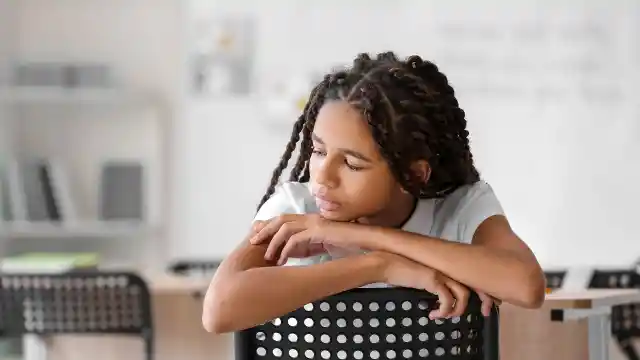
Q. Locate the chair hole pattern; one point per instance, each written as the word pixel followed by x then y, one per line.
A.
pixel 554 279
pixel 74 303
pixel 625 319
pixel 369 324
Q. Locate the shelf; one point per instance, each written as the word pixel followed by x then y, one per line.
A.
pixel 55 96
pixel 98 229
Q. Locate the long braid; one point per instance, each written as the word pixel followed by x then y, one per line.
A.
pixel 306 175
pixel 305 153
pixel 305 146
pixel 277 172
pixel 310 112
pixel 430 72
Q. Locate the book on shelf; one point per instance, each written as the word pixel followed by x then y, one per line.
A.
pixel 35 190
pixel 42 262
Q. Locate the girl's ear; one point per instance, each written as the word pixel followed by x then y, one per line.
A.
pixel 422 170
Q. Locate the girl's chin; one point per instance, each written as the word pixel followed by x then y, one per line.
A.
pixel 335 216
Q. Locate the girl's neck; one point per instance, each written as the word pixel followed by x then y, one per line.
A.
pixel 396 214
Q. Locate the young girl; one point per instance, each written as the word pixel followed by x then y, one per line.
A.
pixel 384 191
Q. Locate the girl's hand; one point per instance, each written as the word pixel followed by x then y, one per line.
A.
pixel 452 296
pixel 295 235
pixel 400 271
pixel 487 303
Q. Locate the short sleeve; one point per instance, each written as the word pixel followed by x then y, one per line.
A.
pixel 288 198
pixel 480 203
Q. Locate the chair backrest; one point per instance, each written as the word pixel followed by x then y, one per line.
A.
pixel 372 323
pixel 625 319
pixel 76 302
pixel 554 278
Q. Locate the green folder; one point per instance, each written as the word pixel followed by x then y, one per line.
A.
pixel 49 262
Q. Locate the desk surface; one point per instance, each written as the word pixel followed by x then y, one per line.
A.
pixel 173 284
pixel 591 298
pixel 587 299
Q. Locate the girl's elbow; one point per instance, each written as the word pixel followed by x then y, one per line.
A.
pixel 211 316
pixel 214 317
pixel 216 325
pixel 533 290
pixel 212 321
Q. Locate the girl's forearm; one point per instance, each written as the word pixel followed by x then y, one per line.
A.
pixel 500 273
pixel 232 300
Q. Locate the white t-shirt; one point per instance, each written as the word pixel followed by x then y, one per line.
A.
pixel 454 217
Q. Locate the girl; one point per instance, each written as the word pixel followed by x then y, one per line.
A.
pixel 384 190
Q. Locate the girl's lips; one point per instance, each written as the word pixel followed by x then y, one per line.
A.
pixel 326 205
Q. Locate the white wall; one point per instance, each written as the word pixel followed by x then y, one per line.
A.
pixel 555 132
pixel 560 160
pixel 6 44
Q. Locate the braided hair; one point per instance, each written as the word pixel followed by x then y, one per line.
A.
pixel 413 115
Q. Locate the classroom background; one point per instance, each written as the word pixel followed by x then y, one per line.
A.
pixel 141 134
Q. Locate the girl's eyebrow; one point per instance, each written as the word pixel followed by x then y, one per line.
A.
pixel 350 152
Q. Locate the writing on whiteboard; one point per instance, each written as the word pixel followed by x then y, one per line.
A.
pixel 536 60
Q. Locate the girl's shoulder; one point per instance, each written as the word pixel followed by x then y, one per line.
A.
pixel 466 208
pixel 288 198
pixel 470 194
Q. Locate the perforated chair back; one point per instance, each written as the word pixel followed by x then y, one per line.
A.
pixel 76 303
pixel 372 323
pixel 625 319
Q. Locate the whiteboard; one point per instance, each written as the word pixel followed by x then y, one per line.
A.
pixel 549 88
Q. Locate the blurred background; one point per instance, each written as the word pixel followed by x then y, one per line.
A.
pixel 142 132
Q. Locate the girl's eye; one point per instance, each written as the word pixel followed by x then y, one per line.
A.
pixel 353 167
pixel 317 152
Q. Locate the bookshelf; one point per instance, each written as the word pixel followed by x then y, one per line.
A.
pixel 82 230
pixel 74 97
pixel 84 125
pixel 78 225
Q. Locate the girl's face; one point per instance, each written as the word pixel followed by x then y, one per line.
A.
pixel 350 179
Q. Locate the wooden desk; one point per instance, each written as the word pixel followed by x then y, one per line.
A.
pixel 166 284
pixel 592 298
pixel 582 331
pixel 179 334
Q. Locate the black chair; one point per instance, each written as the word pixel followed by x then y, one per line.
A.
pixel 625 319
pixel 554 278
pixel 76 303
pixel 372 323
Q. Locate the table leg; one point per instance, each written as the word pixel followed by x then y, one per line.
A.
pixel 34 347
pixel 599 321
pixel 599 336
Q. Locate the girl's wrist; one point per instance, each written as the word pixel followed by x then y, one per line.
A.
pixel 355 235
